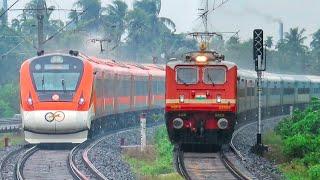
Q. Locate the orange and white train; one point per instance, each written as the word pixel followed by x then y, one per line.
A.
pixel 65 96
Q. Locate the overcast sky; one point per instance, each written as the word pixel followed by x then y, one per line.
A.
pixel 243 15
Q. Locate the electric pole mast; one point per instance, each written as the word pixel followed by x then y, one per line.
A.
pixel 40 16
pixel 101 41
pixel 5 16
pixel 206 16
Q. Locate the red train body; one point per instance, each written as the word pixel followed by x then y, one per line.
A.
pixel 201 94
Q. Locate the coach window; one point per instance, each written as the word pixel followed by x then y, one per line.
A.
pixel 187 75
pixel 214 75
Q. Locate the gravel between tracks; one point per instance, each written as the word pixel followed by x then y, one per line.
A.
pixel 107 158
pixel 5 151
pixel 258 166
pixel 9 160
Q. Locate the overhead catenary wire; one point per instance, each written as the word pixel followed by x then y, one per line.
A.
pixel 5 11
pixel 207 12
pixel 49 8
pixel 22 37
pixel 61 29
pixel 8 52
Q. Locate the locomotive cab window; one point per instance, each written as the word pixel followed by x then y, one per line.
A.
pixel 56 73
pixel 187 75
pixel 214 75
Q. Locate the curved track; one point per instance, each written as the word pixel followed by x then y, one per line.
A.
pixel 43 163
pixel 78 167
pixel 8 164
pixel 206 166
pixel 85 169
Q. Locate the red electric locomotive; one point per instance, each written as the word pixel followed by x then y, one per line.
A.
pixel 201 93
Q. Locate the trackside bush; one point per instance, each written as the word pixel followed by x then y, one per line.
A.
pixel 297 146
pixel 164 151
pixel 311 158
pixel 301 142
pixel 314 172
pixel 9 99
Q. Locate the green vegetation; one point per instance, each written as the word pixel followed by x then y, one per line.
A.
pixel 295 143
pixel 14 139
pixel 156 161
pixel 9 100
pixel 139 34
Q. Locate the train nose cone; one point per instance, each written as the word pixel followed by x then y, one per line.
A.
pixel 223 123
pixel 177 123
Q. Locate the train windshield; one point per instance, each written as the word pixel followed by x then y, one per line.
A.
pixel 187 75
pixel 59 81
pixel 214 75
pixel 56 74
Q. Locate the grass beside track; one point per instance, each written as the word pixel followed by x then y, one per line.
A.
pixel 15 138
pixel 294 144
pixel 156 161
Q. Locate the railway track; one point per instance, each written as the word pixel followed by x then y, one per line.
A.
pixel 79 168
pixel 218 165
pixel 206 166
pixel 79 162
pixel 85 168
pixel 44 163
pixel 8 164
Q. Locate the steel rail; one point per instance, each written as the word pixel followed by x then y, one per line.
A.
pixel 75 172
pixel 22 160
pixel 230 166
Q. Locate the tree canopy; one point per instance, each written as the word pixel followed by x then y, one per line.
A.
pixel 137 34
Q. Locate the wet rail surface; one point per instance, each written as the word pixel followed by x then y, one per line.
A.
pixel 8 164
pixel 47 164
pixel 78 165
pixel 39 162
pixel 204 166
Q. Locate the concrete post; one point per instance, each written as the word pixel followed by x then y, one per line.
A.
pixel 143 122
pixel 6 142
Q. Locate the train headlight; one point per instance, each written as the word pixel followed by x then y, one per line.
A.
pixel 81 101
pixel 223 123
pixel 181 98
pixel 30 101
pixel 177 123
pixel 201 59
pixel 219 100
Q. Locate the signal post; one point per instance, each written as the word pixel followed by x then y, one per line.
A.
pixel 259 57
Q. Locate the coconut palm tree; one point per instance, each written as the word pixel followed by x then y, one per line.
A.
pixel 315 46
pixel 292 51
pixel 147 31
pixel 294 41
pixel 91 18
pixel 113 21
pixel 315 43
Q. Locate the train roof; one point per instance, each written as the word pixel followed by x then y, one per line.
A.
pixel 155 70
pixel 55 54
pixel 247 73
pixel 173 63
pixel 129 68
pixel 314 79
pixel 271 76
pixel 300 78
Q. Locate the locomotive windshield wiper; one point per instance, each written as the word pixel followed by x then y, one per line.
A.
pixel 63 85
pixel 209 77
pixel 180 80
pixel 42 83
